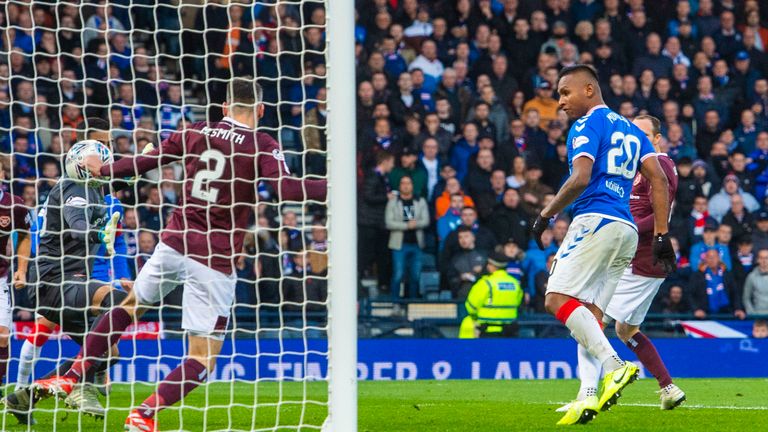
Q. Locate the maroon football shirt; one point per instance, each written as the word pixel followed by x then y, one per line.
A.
pixel 642 212
pixel 13 216
pixel 223 162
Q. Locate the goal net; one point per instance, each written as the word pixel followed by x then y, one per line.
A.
pixel 148 69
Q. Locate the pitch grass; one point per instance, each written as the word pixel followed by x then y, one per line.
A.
pixel 421 406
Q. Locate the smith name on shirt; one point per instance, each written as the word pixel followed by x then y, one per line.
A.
pixel 225 134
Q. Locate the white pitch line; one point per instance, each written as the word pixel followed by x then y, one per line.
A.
pixel 689 406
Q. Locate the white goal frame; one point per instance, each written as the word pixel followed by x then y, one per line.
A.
pixel 342 214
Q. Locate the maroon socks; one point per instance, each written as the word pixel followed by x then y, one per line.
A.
pixel 3 363
pixel 646 352
pixel 104 334
pixel 182 380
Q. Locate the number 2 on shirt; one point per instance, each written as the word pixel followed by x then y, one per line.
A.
pixel 623 155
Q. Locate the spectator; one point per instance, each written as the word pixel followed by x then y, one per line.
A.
pixel 760 329
pixel 535 137
pixel 498 113
pixel 465 265
pixel 409 167
pixel 493 301
pixel 372 234
pixel 464 149
pixel 432 130
pixel 758 160
pixel 478 179
pixel 172 112
pixel 728 39
pixel 557 165
pixel 451 219
pixel 714 289
pixel 746 133
pixel 508 220
pixel 704 178
pixel 756 287
pixel 737 163
pixel 403 101
pixel 709 242
pixel 544 104
pixel 688 189
pixel 738 218
pixel 678 148
pixel 443 202
pixel 744 259
pixel 147 243
pixel 517 178
pixel 457 96
pixel 539 292
pixel 675 302
pixel 431 164
pixel 721 202
pixel 407 215
pixel 708 130
pixel 536 258
pixel 101 21
pixel 427 61
pixel 484 239
pixel 533 191
pixel 660 65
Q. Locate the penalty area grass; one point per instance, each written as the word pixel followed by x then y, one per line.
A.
pixel 485 405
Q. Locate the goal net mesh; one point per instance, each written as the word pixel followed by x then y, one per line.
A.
pixel 148 69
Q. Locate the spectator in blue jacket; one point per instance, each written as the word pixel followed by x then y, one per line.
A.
pixel 708 242
pixel 451 219
pixel 464 149
pixel 536 258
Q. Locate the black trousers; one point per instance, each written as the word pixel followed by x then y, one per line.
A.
pixel 372 248
pixel 507 331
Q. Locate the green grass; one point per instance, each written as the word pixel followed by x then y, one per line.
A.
pixel 488 406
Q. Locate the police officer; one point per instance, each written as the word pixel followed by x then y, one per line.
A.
pixel 493 300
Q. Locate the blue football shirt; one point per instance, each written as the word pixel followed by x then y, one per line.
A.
pixel 617 148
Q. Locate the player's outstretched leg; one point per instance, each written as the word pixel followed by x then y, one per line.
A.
pixel 21 402
pixel 671 395
pixel 182 380
pixel 588 332
pixel 104 335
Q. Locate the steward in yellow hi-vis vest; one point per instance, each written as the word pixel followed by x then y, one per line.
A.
pixel 493 300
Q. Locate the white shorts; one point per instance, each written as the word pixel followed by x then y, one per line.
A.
pixel 6 309
pixel 208 294
pixel 594 254
pixel 633 297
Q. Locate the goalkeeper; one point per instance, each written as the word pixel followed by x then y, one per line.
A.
pixel 76 223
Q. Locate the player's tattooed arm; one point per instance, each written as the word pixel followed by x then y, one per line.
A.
pixel 651 170
pixel 23 251
pixel 572 188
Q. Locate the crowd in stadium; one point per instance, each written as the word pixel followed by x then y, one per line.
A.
pixel 460 96
pixel 460 139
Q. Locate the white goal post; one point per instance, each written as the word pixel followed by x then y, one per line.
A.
pixel 342 334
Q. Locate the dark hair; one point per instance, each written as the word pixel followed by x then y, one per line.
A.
pixel 761 323
pixel 463 229
pixel 383 156
pixel 655 123
pixel 244 91
pixel 585 68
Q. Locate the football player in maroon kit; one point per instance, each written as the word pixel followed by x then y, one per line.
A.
pixel 223 162
pixel 638 286
pixel 13 217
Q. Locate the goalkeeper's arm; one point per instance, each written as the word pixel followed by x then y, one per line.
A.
pixel 76 219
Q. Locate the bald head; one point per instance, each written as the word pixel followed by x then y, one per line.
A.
pixel 579 90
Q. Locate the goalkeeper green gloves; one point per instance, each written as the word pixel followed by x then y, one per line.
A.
pixel 147 148
pixel 109 232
